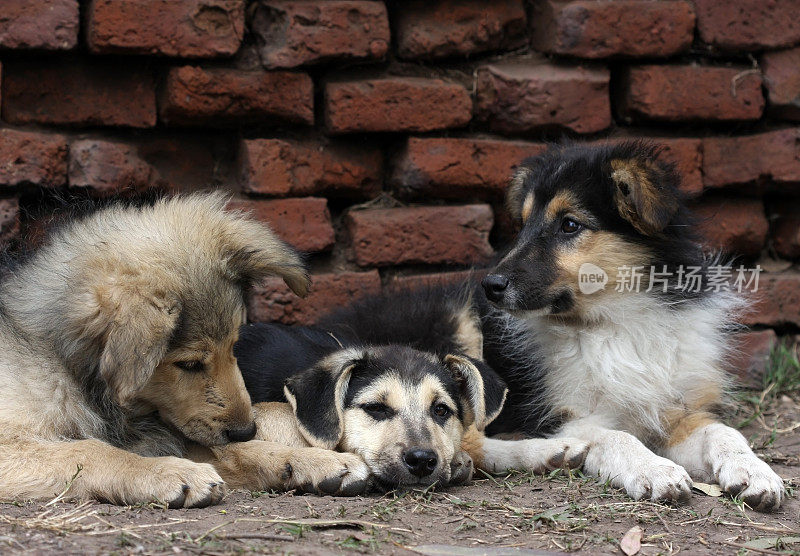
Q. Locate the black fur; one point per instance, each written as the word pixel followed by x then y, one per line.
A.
pixel 273 355
pixel 425 319
pixel 585 172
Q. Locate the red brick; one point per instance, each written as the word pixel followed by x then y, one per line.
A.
pixel 292 33
pixel 748 24
pixel 280 167
pixel 786 229
pixel 417 281
pixel 446 28
pixel 602 28
pixel 517 97
pixel 676 93
pixel 39 24
pixel 737 160
pixel 200 96
pixel 451 235
pixel 453 167
pixel 777 301
pixel 687 154
pixel 189 28
pixel 273 301
pixel 750 360
pixel 737 226
pixel 782 81
pixel 96 93
pixel 304 223
pixel 9 220
pixel 30 158
pixel 396 104
pixel 106 167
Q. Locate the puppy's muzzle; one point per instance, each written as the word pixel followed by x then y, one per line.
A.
pixel 242 434
pixel 419 462
pixel 495 286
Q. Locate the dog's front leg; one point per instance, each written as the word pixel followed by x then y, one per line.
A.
pixel 93 469
pixel 711 451
pixel 532 454
pixel 626 462
pixel 261 465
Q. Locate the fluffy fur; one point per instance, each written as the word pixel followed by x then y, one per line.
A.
pixel 392 405
pixel 116 359
pixel 637 375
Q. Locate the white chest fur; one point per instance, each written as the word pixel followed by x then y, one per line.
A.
pixel 637 360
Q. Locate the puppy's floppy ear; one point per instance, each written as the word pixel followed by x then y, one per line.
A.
pixel 254 252
pixel 317 398
pixel 137 334
pixel 483 391
pixel 645 191
pixel 515 194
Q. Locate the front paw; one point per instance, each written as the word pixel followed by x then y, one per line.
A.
pixel 461 468
pixel 752 480
pixel 327 472
pixel 659 480
pixel 181 483
pixel 571 454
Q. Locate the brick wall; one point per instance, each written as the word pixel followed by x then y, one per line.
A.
pixel 378 137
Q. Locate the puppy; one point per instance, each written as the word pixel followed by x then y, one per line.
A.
pixel 116 359
pixel 446 320
pixel 636 368
pixel 402 410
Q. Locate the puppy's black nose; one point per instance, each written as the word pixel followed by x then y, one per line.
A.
pixel 242 435
pixel 495 286
pixel 420 462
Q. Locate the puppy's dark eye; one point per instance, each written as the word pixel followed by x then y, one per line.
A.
pixel 569 226
pixel 191 366
pixel 378 411
pixel 442 411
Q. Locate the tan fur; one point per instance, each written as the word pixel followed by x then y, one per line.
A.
pixel 514 200
pixel 472 443
pixel 683 428
pixel 468 332
pixel 93 329
pixel 527 206
pixel 638 199
pixel 562 203
pixel 604 249
pixel 381 443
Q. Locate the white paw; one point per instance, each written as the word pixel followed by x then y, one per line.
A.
pixel 658 479
pixel 752 480
pixel 534 454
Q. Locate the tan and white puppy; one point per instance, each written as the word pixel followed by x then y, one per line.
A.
pixel 116 360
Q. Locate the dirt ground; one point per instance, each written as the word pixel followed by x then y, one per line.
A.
pixel 517 514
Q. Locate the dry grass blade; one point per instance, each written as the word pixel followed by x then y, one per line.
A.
pixel 71 521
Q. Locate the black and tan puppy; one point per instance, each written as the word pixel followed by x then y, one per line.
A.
pixel 402 410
